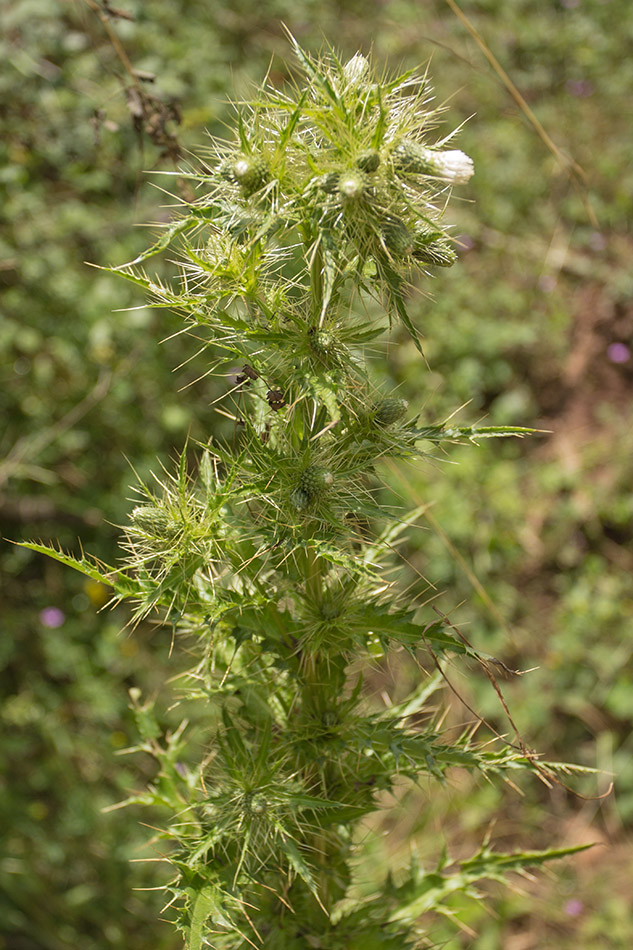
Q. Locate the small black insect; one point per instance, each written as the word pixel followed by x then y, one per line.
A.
pixel 275 399
pixel 246 375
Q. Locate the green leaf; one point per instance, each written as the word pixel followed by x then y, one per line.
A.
pixel 442 432
pixel 205 903
pixel 318 78
pixel 324 390
pixel 143 282
pixel 297 862
pixel 431 889
pixel 334 555
pixel 381 124
pixel 330 269
pixel 488 863
pixel 291 125
pixel 182 475
pixel 177 227
pixel 400 627
pixel 208 474
pixel 400 306
pixel 124 585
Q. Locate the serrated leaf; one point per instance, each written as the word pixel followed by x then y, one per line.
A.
pixel 492 864
pixel 143 282
pixel 325 392
pixel 205 903
pixel 318 77
pixel 241 131
pixel 291 125
pixel 441 433
pixel 124 585
pixel 297 863
pixel 399 627
pixel 334 555
pixel 177 227
pixel 433 888
pixel 401 308
pixel 381 124
pixel 330 270
pixel 182 475
pixel 207 473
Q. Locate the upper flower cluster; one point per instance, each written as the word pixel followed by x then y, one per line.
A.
pixel 347 161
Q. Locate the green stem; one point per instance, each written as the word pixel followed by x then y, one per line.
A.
pixel 313 574
pixel 316 282
pixel 316 687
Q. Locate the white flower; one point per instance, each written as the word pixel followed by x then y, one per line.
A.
pixel 452 165
pixel 356 69
pixel 351 186
pixel 241 167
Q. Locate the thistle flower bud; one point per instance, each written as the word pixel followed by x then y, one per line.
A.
pixel 240 222
pixel 254 804
pixel 351 186
pixel 250 173
pixel 226 171
pixel 314 481
pixel 439 252
pixel 321 341
pixel 329 183
pixel 356 69
pixel 426 233
pixel 300 499
pixel 389 411
pixel 150 519
pixel 368 161
pixel 431 247
pixel 330 609
pixel 258 805
pixel 412 158
pixel 397 237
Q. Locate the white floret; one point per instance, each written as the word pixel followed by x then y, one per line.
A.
pixel 453 165
pixel 356 68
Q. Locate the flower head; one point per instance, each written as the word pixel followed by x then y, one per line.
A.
pixel 52 617
pixel 356 69
pixel 452 165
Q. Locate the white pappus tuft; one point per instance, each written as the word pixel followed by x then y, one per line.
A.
pixel 356 68
pixel 453 165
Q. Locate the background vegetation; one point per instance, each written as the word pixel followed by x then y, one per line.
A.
pixel 534 326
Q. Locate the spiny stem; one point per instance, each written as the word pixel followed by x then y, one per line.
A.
pixel 316 282
pixel 313 574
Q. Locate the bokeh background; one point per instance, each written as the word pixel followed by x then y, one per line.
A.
pixel 527 542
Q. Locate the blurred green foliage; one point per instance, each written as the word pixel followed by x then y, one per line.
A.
pixel 520 331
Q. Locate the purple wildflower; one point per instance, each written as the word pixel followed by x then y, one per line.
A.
pixel 574 907
pixel 618 352
pixel 52 617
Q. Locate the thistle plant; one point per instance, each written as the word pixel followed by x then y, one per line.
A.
pixel 269 556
